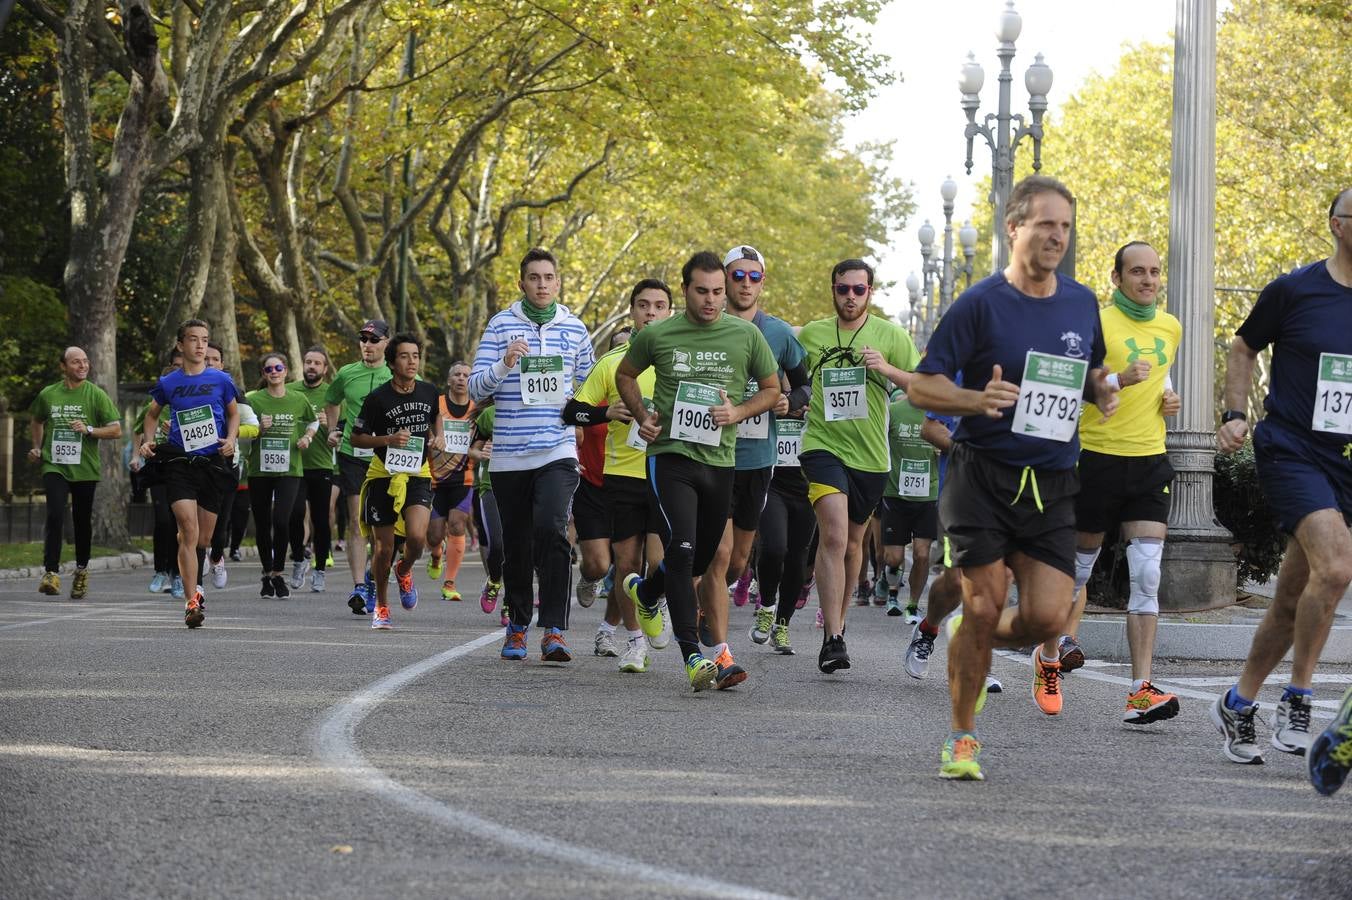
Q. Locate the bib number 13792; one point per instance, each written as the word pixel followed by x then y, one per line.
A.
pixel 1050 396
pixel 1333 394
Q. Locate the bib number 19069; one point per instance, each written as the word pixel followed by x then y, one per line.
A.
pixel 692 418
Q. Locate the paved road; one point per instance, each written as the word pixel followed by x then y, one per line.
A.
pixel 287 750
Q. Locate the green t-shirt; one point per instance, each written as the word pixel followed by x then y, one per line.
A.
pixel 693 363
pixel 75 457
pixel 483 425
pixel 319 455
pixel 274 453
pixel 348 392
pixel 915 462
pixel 857 431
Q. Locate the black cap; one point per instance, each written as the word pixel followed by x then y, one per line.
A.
pixel 376 327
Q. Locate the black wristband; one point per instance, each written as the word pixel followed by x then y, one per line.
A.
pixel 1231 414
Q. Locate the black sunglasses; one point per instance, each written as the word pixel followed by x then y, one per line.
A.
pixel 843 290
pixel 743 274
pixel 368 338
pixel 274 368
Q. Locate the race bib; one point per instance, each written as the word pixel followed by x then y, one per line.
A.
pixel 843 393
pixel 363 452
pixel 1050 396
pixel 197 427
pixel 274 455
pixel 632 439
pixel 757 427
pixel 66 447
pixel 788 441
pixel 405 460
pixel 457 432
pixel 692 420
pixel 1332 394
pixel 914 478
pixel 542 381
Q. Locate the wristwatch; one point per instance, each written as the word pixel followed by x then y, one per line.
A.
pixel 1231 414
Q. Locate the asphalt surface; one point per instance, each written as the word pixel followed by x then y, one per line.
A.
pixel 287 750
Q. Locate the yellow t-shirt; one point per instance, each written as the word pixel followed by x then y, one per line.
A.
pixel 621 459
pixel 1137 428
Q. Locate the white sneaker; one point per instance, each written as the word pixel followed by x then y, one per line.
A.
pixel 218 574
pixel 635 658
pixel 586 592
pixel 298 570
pixel 317 581
pixel 1291 725
pixel 605 644
pixel 663 638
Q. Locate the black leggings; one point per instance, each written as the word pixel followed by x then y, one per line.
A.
pixel 272 498
pixel 490 532
pixel 81 494
pixel 533 505
pixel 315 487
pixel 225 520
pixel 694 500
pixel 165 536
pixel 786 529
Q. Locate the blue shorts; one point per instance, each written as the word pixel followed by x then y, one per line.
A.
pixel 1299 477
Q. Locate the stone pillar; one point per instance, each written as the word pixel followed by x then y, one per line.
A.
pixel 1199 567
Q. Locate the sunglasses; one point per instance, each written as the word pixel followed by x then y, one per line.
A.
pixel 843 290
pixel 368 338
pixel 743 275
pixel 268 370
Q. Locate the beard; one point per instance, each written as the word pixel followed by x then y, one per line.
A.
pixel 311 381
pixel 859 313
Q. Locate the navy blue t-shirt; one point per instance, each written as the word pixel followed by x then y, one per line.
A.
pixel 1302 314
pixel 180 392
pixel 995 323
pixel 761 453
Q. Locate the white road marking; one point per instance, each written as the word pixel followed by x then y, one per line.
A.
pixel 335 744
pixel 1171 685
pixel 101 611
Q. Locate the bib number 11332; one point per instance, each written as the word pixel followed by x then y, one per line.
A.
pixel 1050 396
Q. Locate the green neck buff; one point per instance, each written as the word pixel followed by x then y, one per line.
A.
pixel 537 315
pixel 1131 309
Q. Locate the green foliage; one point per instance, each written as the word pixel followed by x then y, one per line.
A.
pixel 1242 508
pixel 32 336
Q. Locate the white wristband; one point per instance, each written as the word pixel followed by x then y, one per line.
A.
pixel 1113 380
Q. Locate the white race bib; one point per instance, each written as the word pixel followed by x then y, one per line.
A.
pixel 363 452
pixel 1332 395
pixel 788 441
pixel 457 432
pixel 632 438
pixel 274 455
pixel 66 447
pixel 405 460
pixel 197 427
pixel 692 420
pixel 1050 396
pixel 542 382
pixel 914 478
pixel 843 393
pixel 757 427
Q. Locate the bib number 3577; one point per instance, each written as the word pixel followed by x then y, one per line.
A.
pixel 692 418
pixel 1050 396
pixel 542 382
pixel 1333 394
pixel 843 393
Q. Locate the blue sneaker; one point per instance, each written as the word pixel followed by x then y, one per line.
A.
pixel 356 601
pixel 514 645
pixel 408 591
pixel 176 589
pixel 1330 755
pixel 369 592
pixel 554 648
pixel 608 582
pixel 160 583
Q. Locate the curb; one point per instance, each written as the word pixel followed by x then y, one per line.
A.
pixel 1105 637
pixel 136 559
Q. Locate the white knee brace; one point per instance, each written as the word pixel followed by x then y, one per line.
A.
pixel 1084 567
pixel 1143 562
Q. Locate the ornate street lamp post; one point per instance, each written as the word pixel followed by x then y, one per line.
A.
pixel 1038 81
pixel 941 271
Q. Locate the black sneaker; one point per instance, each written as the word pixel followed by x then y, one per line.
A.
pixel 235 556
pixel 833 655
pixel 267 589
pixel 279 587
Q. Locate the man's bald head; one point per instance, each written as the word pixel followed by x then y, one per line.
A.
pixel 75 364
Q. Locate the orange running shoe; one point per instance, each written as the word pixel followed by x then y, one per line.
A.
pixel 729 673
pixel 195 610
pixel 1046 684
pixel 1149 704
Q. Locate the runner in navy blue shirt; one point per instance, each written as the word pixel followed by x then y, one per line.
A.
pixel 196 463
pixel 1303 449
pixel 1028 345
